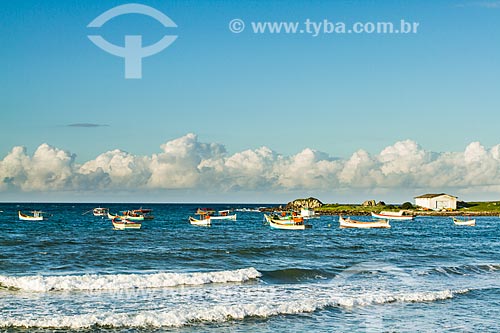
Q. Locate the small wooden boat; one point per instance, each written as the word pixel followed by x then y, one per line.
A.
pixel 99 211
pixel 203 221
pixel 296 223
pixel 288 226
pixel 205 211
pixel 397 216
pixel 464 222
pixel 348 223
pixel 224 215
pixel 131 216
pixel 292 220
pixel 37 216
pixel 112 216
pixel 145 212
pixel 307 213
pixel 122 224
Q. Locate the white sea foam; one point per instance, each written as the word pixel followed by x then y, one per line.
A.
pixel 182 315
pixel 124 281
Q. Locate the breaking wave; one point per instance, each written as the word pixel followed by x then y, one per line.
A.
pixel 94 282
pixel 188 315
pixel 462 270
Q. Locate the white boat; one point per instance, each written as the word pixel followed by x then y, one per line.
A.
pixel 122 224
pixel 348 223
pixel 131 216
pixel 224 215
pixel 307 213
pixel 203 221
pixel 37 216
pixel 464 222
pixel 288 226
pixel 398 216
pixel 296 223
pixel 99 211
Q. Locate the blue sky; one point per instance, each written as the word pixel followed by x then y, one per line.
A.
pixel 332 93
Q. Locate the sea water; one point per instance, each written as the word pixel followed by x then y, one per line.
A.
pixel 74 272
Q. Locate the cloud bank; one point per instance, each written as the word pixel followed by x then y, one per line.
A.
pixel 188 164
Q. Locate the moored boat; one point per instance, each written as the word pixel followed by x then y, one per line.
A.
pixel 296 223
pixel 122 224
pixel 348 223
pixel 205 211
pixel 145 212
pixel 203 221
pixel 112 216
pixel 398 216
pixel 308 213
pixel 37 216
pixel 131 216
pixel 464 222
pixel 99 211
pixel 223 215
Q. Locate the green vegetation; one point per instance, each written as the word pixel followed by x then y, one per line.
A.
pixel 488 206
pixel 354 209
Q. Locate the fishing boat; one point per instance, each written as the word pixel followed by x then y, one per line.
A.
pixel 203 221
pixel 308 213
pixel 397 216
pixel 37 216
pixel 464 222
pixel 131 216
pixel 283 220
pixel 297 223
pixel 122 224
pixel 224 215
pixel 145 212
pixel 99 211
pixel 205 211
pixel 112 216
pixel 348 223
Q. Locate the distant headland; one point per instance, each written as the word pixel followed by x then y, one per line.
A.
pixel 476 208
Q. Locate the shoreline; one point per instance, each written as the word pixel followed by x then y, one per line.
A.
pixel 414 213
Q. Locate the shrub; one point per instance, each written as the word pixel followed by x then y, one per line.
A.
pixel 407 205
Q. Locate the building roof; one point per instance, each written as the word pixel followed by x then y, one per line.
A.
pixel 430 196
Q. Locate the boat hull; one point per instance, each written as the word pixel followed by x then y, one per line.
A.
pixel 469 223
pixel 227 217
pixel 348 223
pixel 124 224
pixel 204 222
pixel 392 217
pixel 24 217
pixel 288 226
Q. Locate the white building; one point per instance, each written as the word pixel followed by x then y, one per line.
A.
pixel 436 201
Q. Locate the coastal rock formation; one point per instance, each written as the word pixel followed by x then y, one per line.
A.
pixel 369 203
pixel 304 203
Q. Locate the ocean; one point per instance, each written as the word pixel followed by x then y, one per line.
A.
pixel 73 272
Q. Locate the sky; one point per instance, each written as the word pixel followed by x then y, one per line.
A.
pixel 247 117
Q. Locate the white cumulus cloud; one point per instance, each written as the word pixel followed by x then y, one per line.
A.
pixel 186 163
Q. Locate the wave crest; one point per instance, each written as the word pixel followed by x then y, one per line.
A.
pixel 93 282
pixel 188 315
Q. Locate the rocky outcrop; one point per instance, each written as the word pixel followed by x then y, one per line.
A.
pixel 304 203
pixel 369 203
